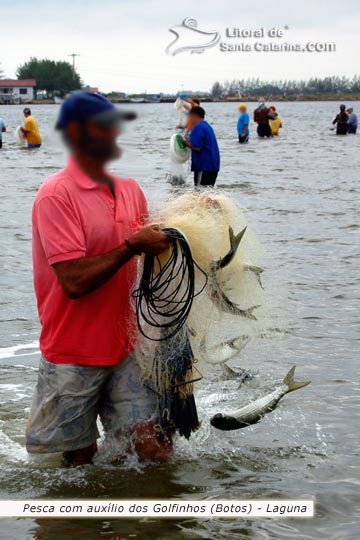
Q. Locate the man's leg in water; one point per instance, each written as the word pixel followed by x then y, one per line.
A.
pixel 197 178
pixel 127 411
pixel 64 411
pixel 149 445
pixel 204 178
pixel 208 178
pixel 82 456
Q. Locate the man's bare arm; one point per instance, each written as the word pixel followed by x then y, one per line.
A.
pixel 189 145
pixel 81 276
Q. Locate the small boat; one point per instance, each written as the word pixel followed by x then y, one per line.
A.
pixel 153 98
pixel 146 98
pixel 137 100
pixel 58 100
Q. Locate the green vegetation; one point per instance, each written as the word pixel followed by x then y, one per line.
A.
pixel 312 88
pixel 51 77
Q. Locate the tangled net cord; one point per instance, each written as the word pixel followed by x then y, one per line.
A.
pixel 162 300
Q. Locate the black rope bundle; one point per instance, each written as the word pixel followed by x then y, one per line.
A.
pixel 166 292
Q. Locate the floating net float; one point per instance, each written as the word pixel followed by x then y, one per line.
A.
pixel 179 152
pixel 179 155
pixel 19 136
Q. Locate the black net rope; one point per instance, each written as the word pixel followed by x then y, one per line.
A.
pixel 166 291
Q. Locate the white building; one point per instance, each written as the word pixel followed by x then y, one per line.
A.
pixel 16 90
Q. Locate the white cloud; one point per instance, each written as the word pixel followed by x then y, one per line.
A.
pixel 122 43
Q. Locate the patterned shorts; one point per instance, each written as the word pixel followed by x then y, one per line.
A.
pixel 69 398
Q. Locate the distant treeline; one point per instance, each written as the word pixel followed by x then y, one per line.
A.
pixel 284 88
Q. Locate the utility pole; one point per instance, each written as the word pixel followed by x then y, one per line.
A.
pixel 73 64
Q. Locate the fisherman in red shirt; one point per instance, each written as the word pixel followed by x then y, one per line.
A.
pixel 88 228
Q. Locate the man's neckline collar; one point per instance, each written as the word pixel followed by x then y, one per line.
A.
pixel 80 176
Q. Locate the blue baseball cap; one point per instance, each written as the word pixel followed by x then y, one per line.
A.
pixel 81 106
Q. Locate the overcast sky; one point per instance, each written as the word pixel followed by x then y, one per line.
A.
pixel 122 43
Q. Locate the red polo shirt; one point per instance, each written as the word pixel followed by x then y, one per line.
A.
pixel 74 216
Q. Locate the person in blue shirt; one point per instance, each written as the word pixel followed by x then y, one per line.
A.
pixel 2 130
pixel 243 124
pixel 205 155
pixel 352 122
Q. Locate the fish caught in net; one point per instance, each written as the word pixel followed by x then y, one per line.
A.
pixel 189 300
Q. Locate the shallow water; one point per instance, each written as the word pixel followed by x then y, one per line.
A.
pixel 300 193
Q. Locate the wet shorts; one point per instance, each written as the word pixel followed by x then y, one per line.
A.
pixel 69 398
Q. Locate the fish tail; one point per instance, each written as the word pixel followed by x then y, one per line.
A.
pixel 248 313
pixel 291 383
pixel 255 269
pixel 231 236
pixel 235 240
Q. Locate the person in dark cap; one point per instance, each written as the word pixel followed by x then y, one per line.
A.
pixel 341 121
pixel 88 229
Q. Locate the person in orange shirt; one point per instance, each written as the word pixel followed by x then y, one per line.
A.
pixel 31 130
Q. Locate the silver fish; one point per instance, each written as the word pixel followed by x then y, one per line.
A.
pixel 216 294
pixel 253 412
pixel 234 244
pixel 228 349
pixel 257 270
pixel 220 298
pixel 239 374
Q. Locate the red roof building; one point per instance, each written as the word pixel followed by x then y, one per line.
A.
pixel 17 83
pixel 16 90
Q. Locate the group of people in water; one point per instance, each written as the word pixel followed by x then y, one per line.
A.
pixel 201 139
pixel 268 121
pixel 346 121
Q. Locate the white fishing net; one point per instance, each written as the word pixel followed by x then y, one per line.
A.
pixel 222 316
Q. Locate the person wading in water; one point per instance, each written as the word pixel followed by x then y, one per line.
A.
pixel 262 115
pixel 341 121
pixel 89 226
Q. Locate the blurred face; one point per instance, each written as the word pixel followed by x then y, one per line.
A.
pixel 195 119
pixel 96 140
pixel 242 109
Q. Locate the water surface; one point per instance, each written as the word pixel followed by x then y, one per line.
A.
pixel 300 193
